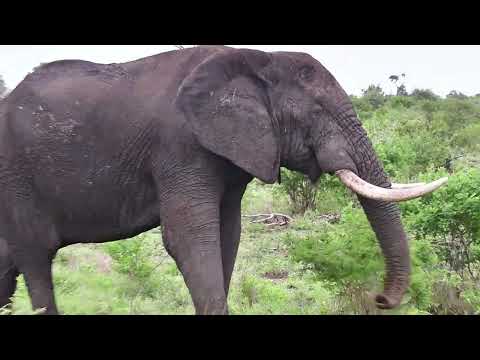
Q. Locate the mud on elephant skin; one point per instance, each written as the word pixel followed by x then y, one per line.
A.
pixel 95 153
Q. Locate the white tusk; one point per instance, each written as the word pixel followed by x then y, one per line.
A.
pixel 370 191
pixel 406 186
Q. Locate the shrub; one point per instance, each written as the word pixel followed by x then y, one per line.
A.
pixel 300 190
pixel 326 196
pixel 401 102
pixel 472 297
pixel 134 257
pixel 456 95
pixel 348 254
pixel 424 94
pixel 468 137
pixel 451 217
pixel 335 253
pixel 131 257
pixel 375 96
pixel 333 195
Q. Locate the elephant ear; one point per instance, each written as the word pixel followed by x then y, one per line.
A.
pixel 227 107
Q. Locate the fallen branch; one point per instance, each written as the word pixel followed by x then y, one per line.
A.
pixel 274 214
pixel 330 218
pixel 270 219
pixel 264 220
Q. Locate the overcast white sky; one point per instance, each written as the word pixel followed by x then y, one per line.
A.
pixel 441 68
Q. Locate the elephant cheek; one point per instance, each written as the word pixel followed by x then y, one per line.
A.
pixel 333 156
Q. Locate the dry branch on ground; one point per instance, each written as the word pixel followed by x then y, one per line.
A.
pixel 273 219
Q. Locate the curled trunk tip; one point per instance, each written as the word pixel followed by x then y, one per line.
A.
pixel 385 302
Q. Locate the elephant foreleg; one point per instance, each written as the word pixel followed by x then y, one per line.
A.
pixel 191 233
pixel 230 229
pixel 8 275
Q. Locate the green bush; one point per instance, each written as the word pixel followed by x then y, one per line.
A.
pixel 131 257
pixel 326 196
pixel 468 138
pixel 333 195
pixel 335 253
pixel 472 297
pixel 424 94
pixel 374 96
pixel 134 257
pixel 348 254
pixel 451 218
pixel 300 190
pixel 401 102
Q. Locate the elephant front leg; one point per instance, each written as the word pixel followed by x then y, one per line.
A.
pixel 230 230
pixel 8 275
pixel 191 234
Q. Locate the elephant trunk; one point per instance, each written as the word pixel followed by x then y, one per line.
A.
pixel 383 215
pixel 385 220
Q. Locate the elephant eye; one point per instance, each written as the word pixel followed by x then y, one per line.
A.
pixel 317 111
pixel 306 73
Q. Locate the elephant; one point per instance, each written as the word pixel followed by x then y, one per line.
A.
pixel 93 153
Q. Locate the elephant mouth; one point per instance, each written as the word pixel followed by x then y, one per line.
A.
pixel 397 192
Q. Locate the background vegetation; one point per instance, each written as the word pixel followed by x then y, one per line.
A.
pixel 325 261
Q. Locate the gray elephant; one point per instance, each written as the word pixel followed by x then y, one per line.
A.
pixel 92 153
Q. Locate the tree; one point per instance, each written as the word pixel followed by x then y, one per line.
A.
pixel 456 95
pixel 451 217
pixel 401 89
pixel 375 96
pixel 393 78
pixel 424 94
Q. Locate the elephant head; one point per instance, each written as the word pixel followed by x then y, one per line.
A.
pixel 263 111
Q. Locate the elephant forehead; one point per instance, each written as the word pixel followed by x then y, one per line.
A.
pixel 291 57
pixel 297 62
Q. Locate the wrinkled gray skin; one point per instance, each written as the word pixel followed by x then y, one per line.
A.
pixel 92 153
